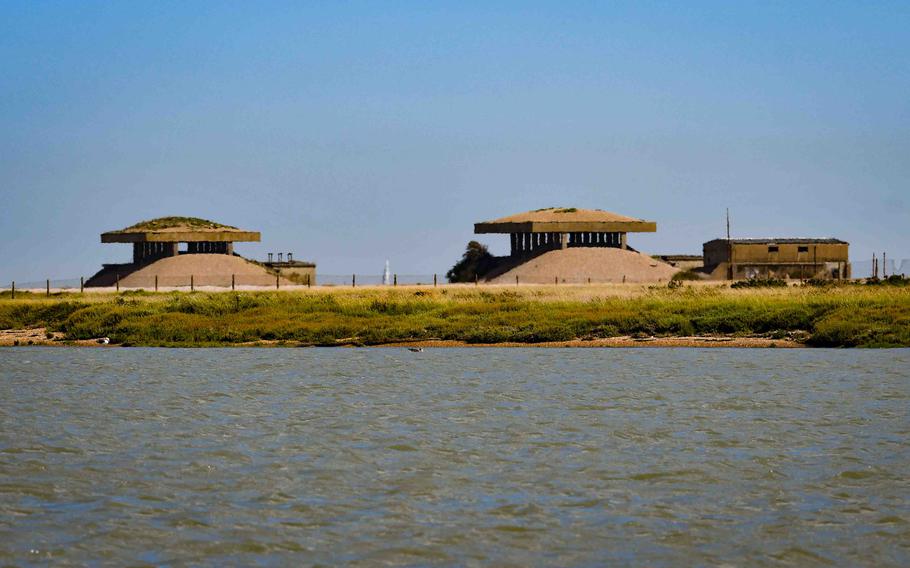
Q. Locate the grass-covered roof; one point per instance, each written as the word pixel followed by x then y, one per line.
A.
pixel 177 223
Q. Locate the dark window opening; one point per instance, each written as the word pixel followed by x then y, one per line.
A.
pixel 802 249
pixel 773 248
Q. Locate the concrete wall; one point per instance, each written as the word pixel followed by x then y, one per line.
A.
pixel 725 260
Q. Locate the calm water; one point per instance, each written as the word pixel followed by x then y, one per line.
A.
pixel 454 457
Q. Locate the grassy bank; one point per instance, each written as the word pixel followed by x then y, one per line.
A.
pixel 842 316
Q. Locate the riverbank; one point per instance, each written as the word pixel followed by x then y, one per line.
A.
pixel 43 338
pixel 565 316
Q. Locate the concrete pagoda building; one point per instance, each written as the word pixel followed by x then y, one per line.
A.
pixel 175 251
pixel 159 238
pixel 554 228
pixel 572 245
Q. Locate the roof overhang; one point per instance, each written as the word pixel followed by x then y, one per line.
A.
pixel 568 227
pixel 180 236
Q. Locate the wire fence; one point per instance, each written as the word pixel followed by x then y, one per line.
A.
pixel 191 282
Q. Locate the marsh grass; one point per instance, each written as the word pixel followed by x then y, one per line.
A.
pixel 847 316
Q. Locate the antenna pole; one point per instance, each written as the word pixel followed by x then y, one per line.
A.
pixel 728 223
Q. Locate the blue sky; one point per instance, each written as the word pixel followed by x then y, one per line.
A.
pixel 353 132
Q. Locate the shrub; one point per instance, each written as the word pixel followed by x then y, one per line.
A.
pixel 760 283
pixel 475 263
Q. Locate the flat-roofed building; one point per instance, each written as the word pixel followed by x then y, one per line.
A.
pixel 683 261
pixel 735 259
pixel 160 238
pixel 189 252
pixel 540 230
pixel 571 245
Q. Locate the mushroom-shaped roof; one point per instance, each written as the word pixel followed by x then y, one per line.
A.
pixel 565 220
pixel 179 229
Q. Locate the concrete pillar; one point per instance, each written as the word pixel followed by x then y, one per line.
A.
pixel 564 240
pixel 622 241
pixel 229 248
pixel 513 244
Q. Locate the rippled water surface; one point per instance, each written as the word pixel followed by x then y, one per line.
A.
pixel 454 457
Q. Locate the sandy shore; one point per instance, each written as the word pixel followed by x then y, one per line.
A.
pixel 624 341
pixel 40 336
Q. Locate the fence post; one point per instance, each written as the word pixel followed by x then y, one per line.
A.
pixel 516 280
pixel 192 283
pixel 475 279
pixel 623 278
pixel 589 279
pixel 233 282
pixel 353 280
pixel 118 283
pixel 156 282
pixel 556 280
pixel 307 280
pixel 395 280
pixel 434 281
pixel 13 291
pixel 48 287
pixel 277 285
pixel 81 284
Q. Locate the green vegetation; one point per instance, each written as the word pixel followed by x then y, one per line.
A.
pixel 558 209
pixel 893 280
pixel 170 222
pixel 844 316
pixel 475 263
pixel 760 283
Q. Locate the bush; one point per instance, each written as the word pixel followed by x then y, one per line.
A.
pixel 475 263
pixel 893 280
pixel 760 283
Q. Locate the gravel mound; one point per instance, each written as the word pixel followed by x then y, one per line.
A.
pixel 206 270
pixel 577 265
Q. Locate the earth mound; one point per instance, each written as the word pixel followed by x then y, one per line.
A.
pixel 205 270
pixel 577 265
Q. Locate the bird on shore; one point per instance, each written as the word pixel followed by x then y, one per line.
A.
pixel 416 349
pixel 104 340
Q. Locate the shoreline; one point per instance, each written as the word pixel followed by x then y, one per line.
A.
pixel 40 337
